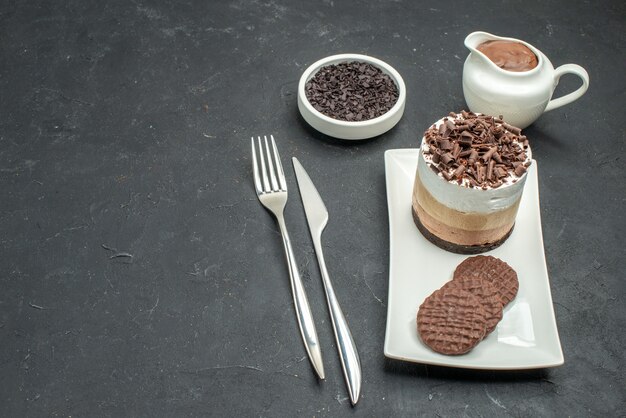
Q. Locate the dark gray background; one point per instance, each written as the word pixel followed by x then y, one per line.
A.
pixel 125 128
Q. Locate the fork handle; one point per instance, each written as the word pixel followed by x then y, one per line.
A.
pixel 303 310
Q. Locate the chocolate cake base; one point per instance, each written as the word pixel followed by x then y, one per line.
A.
pixel 457 248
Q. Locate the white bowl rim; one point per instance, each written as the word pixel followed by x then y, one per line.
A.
pixel 397 78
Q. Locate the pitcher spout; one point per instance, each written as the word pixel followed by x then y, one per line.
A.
pixel 476 38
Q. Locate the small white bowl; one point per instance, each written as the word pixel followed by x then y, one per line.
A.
pixel 345 129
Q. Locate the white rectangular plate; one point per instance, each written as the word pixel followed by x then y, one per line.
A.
pixel 526 337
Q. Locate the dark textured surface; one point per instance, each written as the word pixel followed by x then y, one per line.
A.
pixel 124 130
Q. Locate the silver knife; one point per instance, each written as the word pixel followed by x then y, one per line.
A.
pixel 317 217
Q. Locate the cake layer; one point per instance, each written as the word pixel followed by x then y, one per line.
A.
pixel 465 199
pixel 456 247
pixel 460 220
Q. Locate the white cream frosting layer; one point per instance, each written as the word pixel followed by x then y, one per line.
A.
pixel 466 199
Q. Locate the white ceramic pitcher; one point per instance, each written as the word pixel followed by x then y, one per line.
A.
pixel 520 97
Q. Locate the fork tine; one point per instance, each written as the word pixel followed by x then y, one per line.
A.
pixel 255 168
pixel 271 165
pixel 279 167
pixel 266 183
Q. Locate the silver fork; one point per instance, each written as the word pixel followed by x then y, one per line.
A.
pixel 271 189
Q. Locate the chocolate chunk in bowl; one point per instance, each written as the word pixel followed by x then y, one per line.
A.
pixel 369 107
pixel 352 91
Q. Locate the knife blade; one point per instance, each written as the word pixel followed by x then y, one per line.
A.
pixel 317 218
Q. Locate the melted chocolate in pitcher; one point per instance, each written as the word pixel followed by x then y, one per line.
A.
pixel 509 55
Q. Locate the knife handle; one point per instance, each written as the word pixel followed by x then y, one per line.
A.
pixel 303 310
pixel 350 362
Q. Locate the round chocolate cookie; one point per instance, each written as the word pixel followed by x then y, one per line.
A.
pixel 451 321
pixel 488 295
pixel 493 270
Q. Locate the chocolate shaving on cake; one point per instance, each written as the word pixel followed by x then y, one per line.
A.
pixel 479 150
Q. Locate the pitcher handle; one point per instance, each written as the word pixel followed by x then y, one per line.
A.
pixel 568 98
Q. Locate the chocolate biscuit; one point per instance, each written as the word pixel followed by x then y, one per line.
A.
pixel 451 321
pixel 493 270
pixel 488 295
